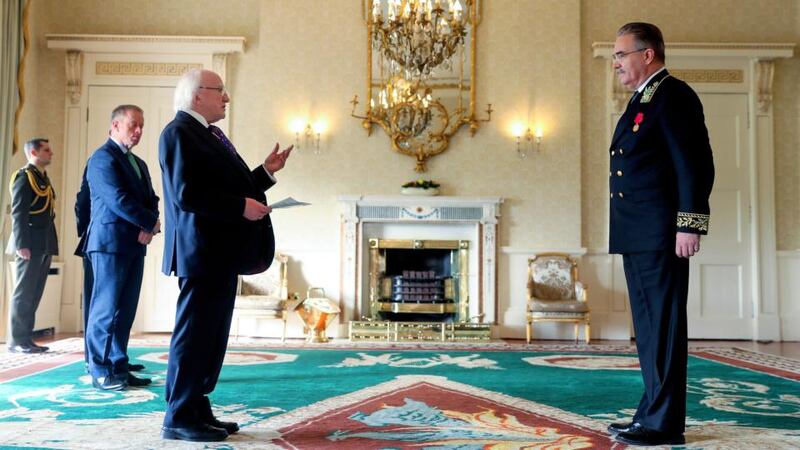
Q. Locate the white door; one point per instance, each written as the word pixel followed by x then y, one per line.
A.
pixel 720 286
pixel 156 310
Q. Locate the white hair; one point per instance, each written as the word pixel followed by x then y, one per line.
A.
pixel 186 89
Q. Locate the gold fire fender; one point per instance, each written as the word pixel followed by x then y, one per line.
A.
pixel 419 331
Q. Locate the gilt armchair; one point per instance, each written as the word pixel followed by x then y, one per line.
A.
pixel 264 295
pixel 555 294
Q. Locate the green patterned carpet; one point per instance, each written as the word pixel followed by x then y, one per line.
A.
pixel 345 397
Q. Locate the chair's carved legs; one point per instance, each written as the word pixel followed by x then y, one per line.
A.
pixel 588 334
pixel 576 331
pixel 283 336
pixel 529 332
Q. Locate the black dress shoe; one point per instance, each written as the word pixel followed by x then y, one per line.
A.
pixel 642 436
pixel 41 348
pixel 109 383
pixel 137 381
pixel 195 433
pixel 135 367
pixel 622 427
pixel 230 427
pixel 26 348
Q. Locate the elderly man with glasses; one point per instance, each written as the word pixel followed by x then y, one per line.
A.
pixel 661 174
pixel 217 227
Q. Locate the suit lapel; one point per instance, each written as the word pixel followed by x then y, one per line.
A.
pixel 122 159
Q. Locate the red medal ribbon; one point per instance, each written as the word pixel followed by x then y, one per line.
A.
pixel 639 118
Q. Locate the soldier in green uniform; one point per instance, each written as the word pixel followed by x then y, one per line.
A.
pixel 33 242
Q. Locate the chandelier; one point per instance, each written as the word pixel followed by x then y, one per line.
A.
pixel 418 35
pixel 421 85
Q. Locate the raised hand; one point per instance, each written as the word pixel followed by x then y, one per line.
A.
pixel 276 160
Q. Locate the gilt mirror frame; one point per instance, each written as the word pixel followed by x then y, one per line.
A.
pixel 452 91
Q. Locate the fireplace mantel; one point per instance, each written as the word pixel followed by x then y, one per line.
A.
pixel 420 217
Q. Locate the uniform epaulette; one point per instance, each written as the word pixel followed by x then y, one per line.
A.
pixel 44 192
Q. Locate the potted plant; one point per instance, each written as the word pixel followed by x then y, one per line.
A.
pixel 420 187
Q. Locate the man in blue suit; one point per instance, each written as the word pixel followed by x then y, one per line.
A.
pixel 217 227
pixel 661 176
pixel 124 218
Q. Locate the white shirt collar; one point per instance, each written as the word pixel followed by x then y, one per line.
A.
pixel 641 87
pixel 119 144
pixel 197 117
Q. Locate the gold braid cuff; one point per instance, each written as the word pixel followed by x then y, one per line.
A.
pixel 694 221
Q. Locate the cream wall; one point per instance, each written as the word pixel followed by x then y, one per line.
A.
pixel 306 58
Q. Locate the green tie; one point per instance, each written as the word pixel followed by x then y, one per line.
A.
pixel 133 163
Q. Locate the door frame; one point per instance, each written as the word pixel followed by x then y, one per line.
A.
pixel 732 68
pixel 116 60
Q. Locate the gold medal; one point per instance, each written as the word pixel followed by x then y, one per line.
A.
pixel 635 127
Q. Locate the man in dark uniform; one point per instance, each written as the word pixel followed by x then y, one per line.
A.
pixel 33 242
pixel 661 176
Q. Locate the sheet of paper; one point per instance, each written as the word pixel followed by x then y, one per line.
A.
pixel 288 202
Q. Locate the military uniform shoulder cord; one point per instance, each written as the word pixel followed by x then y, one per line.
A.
pixel 39 192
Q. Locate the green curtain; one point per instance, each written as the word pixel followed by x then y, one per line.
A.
pixel 12 47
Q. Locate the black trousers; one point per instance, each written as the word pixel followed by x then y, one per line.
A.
pixel 31 278
pixel 658 286
pixel 197 350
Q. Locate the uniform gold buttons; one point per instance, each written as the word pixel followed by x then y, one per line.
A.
pixel 612 152
pixel 621 195
pixel 619 173
pixel 621 151
pixel 612 195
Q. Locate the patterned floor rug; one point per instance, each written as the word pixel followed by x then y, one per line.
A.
pixel 347 396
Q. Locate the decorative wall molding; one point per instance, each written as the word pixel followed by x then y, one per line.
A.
pixel 143 68
pixel 74 70
pixel 715 49
pixel 120 43
pixel 709 75
pixel 764 75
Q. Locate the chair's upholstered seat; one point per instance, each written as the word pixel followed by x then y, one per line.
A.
pixel 259 302
pixel 566 306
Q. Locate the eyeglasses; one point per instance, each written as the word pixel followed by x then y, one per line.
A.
pixel 619 55
pixel 220 89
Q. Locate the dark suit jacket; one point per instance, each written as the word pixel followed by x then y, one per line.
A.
pixel 204 196
pixel 83 211
pixel 32 216
pixel 661 175
pixel 122 204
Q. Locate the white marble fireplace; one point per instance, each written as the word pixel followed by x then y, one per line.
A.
pixel 473 219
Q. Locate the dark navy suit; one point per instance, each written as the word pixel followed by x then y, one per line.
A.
pixel 83 212
pixel 661 176
pixel 207 244
pixel 122 204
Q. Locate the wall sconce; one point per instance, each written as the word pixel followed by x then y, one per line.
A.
pixel 311 134
pixel 527 141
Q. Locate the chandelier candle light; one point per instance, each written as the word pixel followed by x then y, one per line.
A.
pixel 418 35
pixel 420 74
